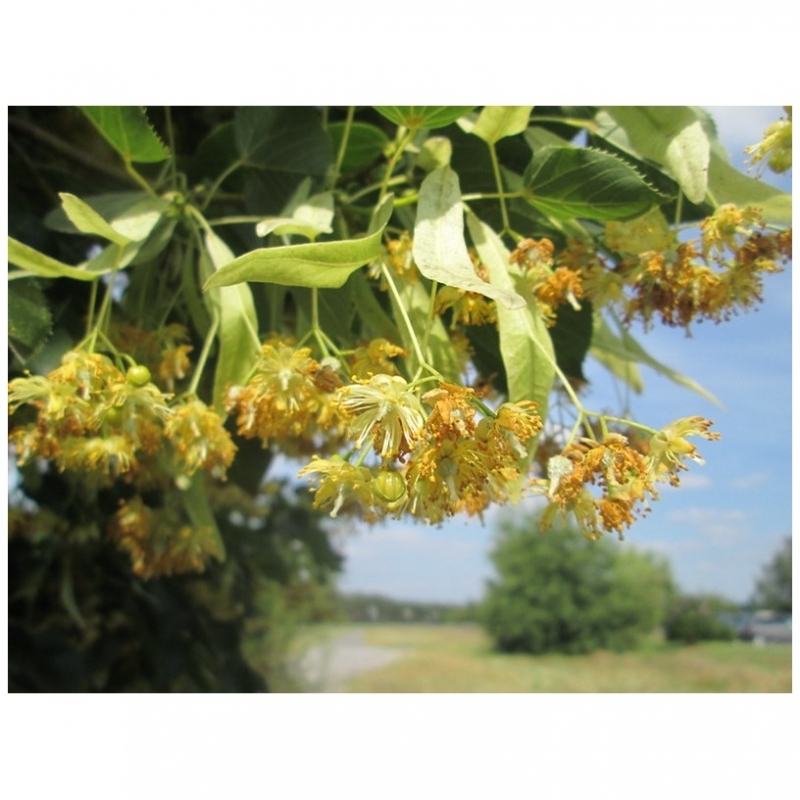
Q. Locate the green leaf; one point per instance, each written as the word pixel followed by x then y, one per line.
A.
pixel 727 185
pixel 128 131
pixel 238 325
pixel 429 117
pixel 319 265
pixel 36 263
pixel 29 320
pixel 283 140
pixel 572 335
pixel 365 143
pixel 497 122
pixel 440 251
pixel 525 344
pixel 132 215
pixel 87 220
pixel 608 349
pixel 673 136
pixel 577 182
pixel 625 348
pixel 310 218
pixel 198 508
pixel 416 303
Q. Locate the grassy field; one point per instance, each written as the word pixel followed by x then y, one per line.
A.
pixel 460 659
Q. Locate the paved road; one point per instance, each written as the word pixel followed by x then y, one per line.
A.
pixel 326 667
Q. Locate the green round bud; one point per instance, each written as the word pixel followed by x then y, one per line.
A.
pixel 389 486
pixel 138 375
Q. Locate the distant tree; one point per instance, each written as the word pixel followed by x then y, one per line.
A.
pixel 698 619
pixel 774 587
pixel 560 592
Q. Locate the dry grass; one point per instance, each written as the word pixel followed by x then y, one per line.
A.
pixel 460 659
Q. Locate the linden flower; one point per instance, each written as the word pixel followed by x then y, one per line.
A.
pixel 385 409
pixel 776 146
pixel 200 440
pixel 341 481
pixel 669 446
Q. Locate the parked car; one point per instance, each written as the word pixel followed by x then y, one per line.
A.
pixel 767 627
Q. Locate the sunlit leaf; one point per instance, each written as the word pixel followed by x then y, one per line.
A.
pixel 525 344
pixel 128 131
pixel 319 265
pixel 497 122
pixel 673 136
pixel 578 182
pixel 36 263
pixel 310 218
pixel 429 117
pixel 87 220
pixel 728 185
pixel 440 251
pixel 238 325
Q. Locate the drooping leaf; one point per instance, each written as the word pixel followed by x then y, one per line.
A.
pixel 310 218
pixel 365 143
pixel 128 131
pixel 497 122
pixel 238 325
pixel 439 248
pixel 29 320
pixel 728 185
pixel 626 348
pixel 132 215
pixel 36 263
pixel 577 182
pixel 608 350
pixel 525 344
pixel 429 117
pixel 198 508
pixel 673 136
pixel 87 220
pixel 319 265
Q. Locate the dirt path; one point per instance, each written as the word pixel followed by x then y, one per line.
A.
pixel 326 667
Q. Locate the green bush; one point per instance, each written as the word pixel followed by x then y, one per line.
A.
pixel 559 592
pixel 696 619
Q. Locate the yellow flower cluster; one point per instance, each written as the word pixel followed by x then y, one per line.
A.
pixel 624 476
pixel 434 463
pixel 158 540
pixel 551 286
pixel 96 420
pixel 776 146
pixel 288 398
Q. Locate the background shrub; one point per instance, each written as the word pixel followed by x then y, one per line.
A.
pixel 559 592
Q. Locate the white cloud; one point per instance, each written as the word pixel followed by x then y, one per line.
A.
pixel 721 526
pixel 693 480
pixel 750 481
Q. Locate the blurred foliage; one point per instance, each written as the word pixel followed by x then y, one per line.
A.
pixel 80 621
pixel 556 591
pixel 774 587
pixel 378 608
pixel 698 619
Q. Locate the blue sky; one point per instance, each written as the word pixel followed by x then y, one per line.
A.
pixel 726 520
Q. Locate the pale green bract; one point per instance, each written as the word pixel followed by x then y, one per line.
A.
pixel 440 251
